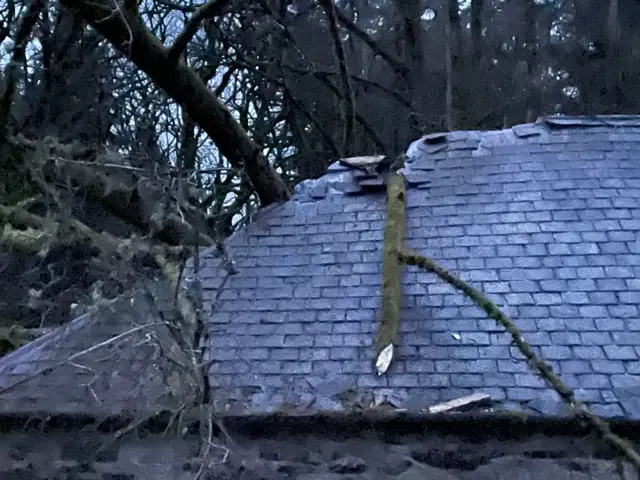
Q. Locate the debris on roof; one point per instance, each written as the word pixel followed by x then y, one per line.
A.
pixel 579 121
pixel 462 403
pixel 543 218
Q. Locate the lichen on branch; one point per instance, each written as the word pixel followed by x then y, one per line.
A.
pixel 535 364
pixel 391 265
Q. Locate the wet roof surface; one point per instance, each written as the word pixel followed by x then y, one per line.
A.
pixel 544 218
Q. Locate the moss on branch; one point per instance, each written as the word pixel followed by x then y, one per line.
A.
pixel 29 232
pixel 536 365
pixel 391 265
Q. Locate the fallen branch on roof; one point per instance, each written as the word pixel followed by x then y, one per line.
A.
pixel 535 364
pixel 192 335
pixel 391 273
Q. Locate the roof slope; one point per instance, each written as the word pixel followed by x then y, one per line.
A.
pixel 117 367
pixel 544 218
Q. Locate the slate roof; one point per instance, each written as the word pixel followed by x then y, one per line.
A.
pixel 123 374
pixel 544 218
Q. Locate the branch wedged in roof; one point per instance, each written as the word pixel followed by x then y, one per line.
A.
pixel 535 364
pixel 387 335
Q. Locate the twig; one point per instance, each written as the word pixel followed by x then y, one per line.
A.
pixel 178 7
pixel 72 358
pixel 207 448
pixel 359 118
pixel 12 71
pixel 353 28
pixel 117 12
pixel 89 384
pixel 535 364
pixel 296 104
pixel 172 171
pixel 210 9
pixel 365 81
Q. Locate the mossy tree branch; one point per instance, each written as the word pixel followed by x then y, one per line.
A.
pixel 125 29
pixel 536 365
pixel 39 230
pixel 391 264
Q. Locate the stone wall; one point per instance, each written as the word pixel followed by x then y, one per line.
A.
pixel 272 450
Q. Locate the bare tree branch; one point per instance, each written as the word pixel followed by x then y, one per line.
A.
pixel 12 70
pixel 348 100
pixel 353 28
pixel 186 87
pixel 359 118
pixel 208 10
pixel 297 105
pixel 403 101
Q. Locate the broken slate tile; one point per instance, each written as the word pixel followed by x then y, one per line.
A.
pixel 416 178
pixel 526 130
pixel 630 400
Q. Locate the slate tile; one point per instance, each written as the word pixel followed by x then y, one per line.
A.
pixel 610 284
pixel 625 381
pixel 434 352
pixel 342 353
pixel 373 381
pixel 434 380
pixel 566 338
pixel 603 298
pixel 607 410
pixel 299 368
pixel 521 393
pixel 314 354
pixel 284 353
pixel 467 380
pixel 450 366
pixel 586 325
pixel 597 381
pixel 576 367
pixel 557 353
pixel 608 366
pixel 588 353
pixel 551 325
pixel 403 380
pixel 623 311
pixel 589 396
pixel 618 352
pixel 626 338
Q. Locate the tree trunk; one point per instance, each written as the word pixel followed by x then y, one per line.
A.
pixel 453 39
pixel 455 32
pixel 476 33
pixel 614 89
pixel 531 54
pixel 413 56
pixel 449 67
pixel 126 31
